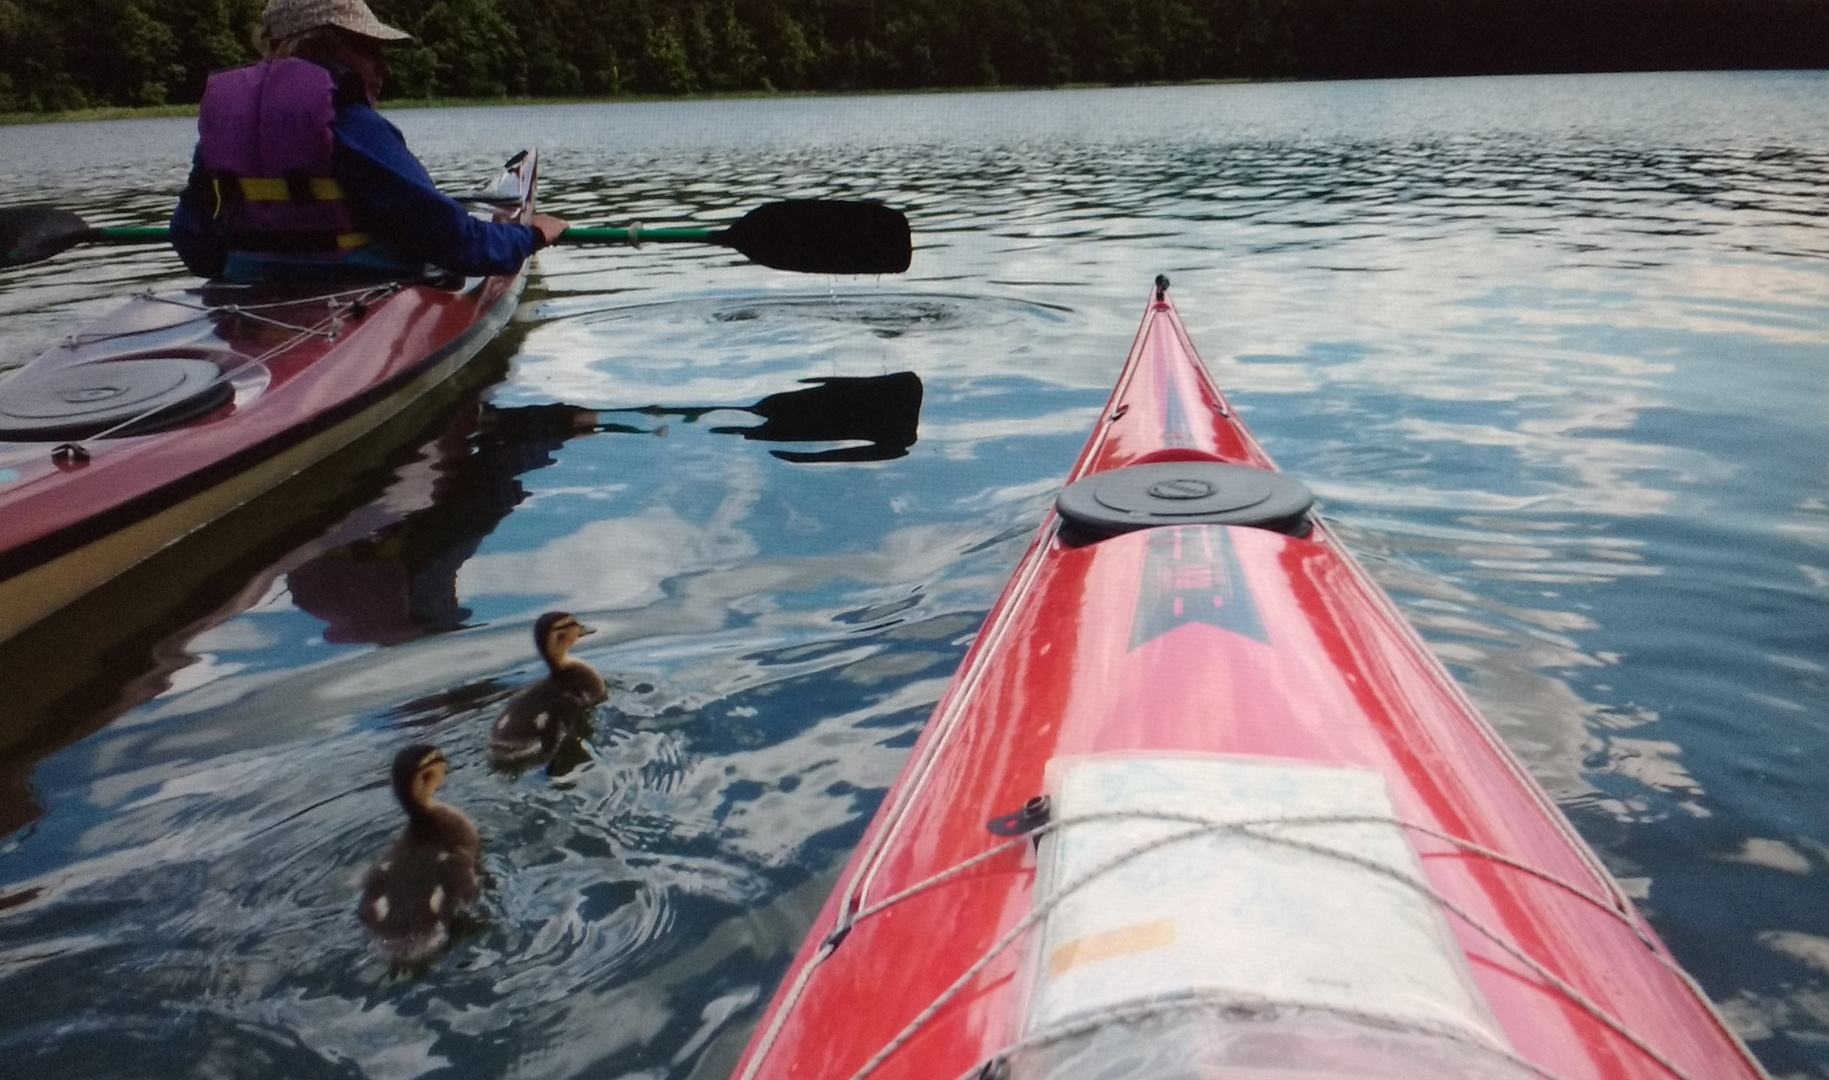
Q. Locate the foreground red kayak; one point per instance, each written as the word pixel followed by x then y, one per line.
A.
pixel 1201 804
pixel 180 407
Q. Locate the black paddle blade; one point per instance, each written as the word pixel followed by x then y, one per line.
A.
pixel 823 236
pixel 29 234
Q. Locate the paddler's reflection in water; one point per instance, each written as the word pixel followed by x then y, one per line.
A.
pixel 400 581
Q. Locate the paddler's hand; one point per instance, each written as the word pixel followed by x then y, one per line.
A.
pixel 550 228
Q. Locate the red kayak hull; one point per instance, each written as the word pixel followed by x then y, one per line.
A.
pixel 1229 644
pixel 311 369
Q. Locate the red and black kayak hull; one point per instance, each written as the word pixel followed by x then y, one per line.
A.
pixel 297 374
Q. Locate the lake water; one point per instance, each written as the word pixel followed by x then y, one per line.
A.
pixel 1554 353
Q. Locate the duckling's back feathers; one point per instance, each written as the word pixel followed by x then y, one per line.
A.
pixel 425 880
pixel 539 715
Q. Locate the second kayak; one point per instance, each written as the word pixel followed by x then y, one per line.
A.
pixel 180 407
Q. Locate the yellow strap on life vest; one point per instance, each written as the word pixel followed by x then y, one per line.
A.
pixel 348 240
pixel 272 189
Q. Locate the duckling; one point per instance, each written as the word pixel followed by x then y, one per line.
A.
pixel 429 876
pixel 539 716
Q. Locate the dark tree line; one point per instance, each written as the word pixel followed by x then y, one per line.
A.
pixel 61 54
pixel 66 54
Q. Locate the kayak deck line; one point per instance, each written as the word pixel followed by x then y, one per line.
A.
pixel 204 311
pixel 1234 805
pixel 1248 827
pixel 329 329
pixel 1034 836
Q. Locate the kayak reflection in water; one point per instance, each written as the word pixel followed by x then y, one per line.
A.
pixel 399 582
pixel 296 177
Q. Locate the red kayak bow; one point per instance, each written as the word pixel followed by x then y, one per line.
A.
pixel 1200 803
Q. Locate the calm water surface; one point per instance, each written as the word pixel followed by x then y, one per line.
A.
pixel 1551 350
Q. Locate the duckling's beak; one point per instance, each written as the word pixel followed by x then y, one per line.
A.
pixel 586 631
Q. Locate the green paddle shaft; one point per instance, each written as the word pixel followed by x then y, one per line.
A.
pixel 157 234
pixel 639 235
pixel 133 234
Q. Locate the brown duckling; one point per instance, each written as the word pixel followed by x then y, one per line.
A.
pixel 539 716
pixel 429 876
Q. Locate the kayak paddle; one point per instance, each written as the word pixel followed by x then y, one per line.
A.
pixel 812 236
pixel 30 234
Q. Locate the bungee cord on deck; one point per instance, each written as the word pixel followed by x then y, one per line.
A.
pixel 1208 826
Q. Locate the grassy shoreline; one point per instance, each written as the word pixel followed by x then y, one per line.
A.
pixel 111 112
pixel 153 112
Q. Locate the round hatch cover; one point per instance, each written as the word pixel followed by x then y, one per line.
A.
pixel 1186 493
pixel 137 395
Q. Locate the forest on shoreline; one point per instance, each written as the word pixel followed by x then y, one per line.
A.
pixel 58 55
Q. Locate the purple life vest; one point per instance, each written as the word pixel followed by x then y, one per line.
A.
pixel 264 138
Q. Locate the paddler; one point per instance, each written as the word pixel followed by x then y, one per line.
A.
pixel 297 177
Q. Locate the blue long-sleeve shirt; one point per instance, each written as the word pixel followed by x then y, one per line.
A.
pixel 391 197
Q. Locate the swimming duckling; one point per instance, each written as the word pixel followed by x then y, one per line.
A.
pixel 429 875
pixel 539 716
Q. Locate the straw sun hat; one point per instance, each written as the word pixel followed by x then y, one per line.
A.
pixel 284 18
